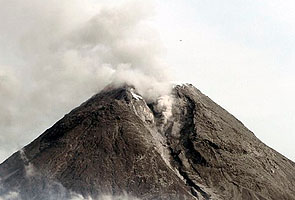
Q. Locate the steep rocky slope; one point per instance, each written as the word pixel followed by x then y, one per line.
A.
pixel 180 147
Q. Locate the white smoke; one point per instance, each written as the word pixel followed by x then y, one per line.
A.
pixel 55 54
pixel 29 168
pixel 10 196
pixel 164 106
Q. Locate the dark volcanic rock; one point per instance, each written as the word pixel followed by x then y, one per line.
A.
pixel 115 143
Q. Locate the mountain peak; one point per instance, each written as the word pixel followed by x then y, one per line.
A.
pixel 179 146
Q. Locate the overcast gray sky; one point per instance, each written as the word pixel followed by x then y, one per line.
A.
pixel 242 55
pixel 239 53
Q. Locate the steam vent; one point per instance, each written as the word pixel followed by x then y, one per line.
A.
pixel 120 146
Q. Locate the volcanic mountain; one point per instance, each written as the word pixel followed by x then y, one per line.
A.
pixel 183 146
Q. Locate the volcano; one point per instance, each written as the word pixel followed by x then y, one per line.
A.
pixel 119 144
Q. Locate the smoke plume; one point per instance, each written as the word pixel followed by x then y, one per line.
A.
pixel 55 54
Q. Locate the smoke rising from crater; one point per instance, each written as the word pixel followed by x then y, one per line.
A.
pixel 55 54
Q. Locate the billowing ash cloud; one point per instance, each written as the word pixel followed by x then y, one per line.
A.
pixel 55 54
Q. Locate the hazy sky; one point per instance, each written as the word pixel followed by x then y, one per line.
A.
pixel 239 53
pixel 242 55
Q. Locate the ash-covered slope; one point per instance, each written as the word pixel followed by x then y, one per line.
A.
pixel 181 147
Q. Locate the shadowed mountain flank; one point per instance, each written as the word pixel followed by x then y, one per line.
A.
pixel 182 146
